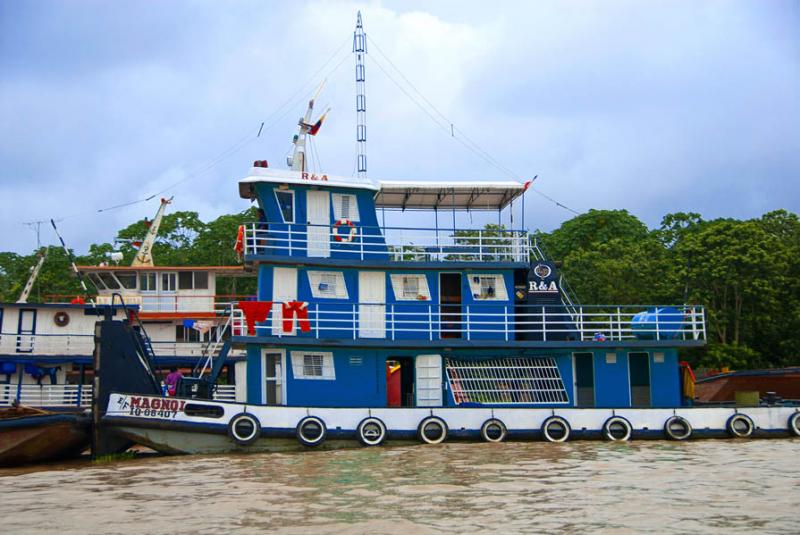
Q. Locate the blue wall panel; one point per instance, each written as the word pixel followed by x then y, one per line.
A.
pixel 612 387
pixel 665 380
pixel 255 375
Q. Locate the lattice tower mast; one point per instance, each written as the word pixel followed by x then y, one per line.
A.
pixel 360 50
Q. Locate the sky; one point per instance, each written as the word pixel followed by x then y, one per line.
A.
pixel 653 107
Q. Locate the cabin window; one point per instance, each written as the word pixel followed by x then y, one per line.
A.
pixel 507 380
pixel 327 284
pixel 345 207
pixel 127 279
pixel 96 281
pixel 316 365
pixel 285 200
pixel 147 282
pixel 488 288
pixel 109 280
pixel 193 280
pixel 410 287
pixel 168 282
pixel 187 334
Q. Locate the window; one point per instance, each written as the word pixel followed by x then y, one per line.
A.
pixel 488 288
pixel 147 282
pixel 345 207
pixel 313 365
pixel 109 280
pixel 168 282
pixel 410 287
pixel 509 380
pixel 127 279
pixel 96 281
pixel 192 280
pixel 286 204
pixel 327 284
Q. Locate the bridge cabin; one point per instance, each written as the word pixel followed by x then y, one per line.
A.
pixel 352 313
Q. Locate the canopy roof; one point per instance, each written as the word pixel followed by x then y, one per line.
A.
pixel 400 194
pixel 227 271
pixel 458 194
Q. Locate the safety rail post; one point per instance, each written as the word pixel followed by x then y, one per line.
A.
pixel 658 320
pixel 290 238
pixel 469 328
pixel 360 237
pixel 544 326
pixel 316 319
pixel 694 323
pixel 391 321
pixel 480 245
pixel 505 321
pixel 355 322
pixel 580 321
pixel 430 321
pixel 80 391
pixel 619 324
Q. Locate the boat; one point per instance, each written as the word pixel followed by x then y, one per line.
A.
pixel 29 435
pixel 46 349
pixel 367 334
pixel 767 386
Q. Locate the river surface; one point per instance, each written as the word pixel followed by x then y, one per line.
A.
pixel 697 487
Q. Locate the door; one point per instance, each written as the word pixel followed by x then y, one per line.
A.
pixel 319 223
pixel 284 289
pixel 26 327
pixel 450 303
pixel 584 379
pixel 274 392
pixel 371 304
pixel 639 369
pixel 429 380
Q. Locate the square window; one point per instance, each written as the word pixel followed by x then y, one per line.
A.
pixel 327 284
pixel 313 365
pixel 408 287
pixel 488 288
pixel 201 280
pixel 611 358
pixel 185 280
pixel 345 206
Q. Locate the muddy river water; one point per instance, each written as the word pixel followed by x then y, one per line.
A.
pixel 696 487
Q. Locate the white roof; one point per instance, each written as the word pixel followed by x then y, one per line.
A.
pixel 457 194
pixel 401 194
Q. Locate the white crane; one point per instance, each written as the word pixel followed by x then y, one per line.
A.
pixel 23 298
pixel 144 256
pixel 297 161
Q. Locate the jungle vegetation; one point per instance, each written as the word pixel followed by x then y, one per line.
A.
pixel 745 272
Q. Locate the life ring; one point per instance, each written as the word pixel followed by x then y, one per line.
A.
pixel 351 234
pixel 794 424
pixel 493 430
pixel 244 429
pixel 371 431
pixel 677 428
pixel 556 429
pixel 432 430
pixel 311 431
pixel 740 426
pixel 61 319
pixel 617 429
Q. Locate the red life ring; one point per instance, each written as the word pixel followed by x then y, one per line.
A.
pixel 350 236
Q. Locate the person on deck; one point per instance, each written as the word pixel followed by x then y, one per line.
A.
pixel 172 380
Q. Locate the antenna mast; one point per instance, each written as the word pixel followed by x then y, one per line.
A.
pixel 360 50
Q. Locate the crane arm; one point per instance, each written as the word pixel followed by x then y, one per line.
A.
pixel 23 298
pixel 144 256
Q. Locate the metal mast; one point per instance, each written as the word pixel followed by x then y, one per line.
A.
pixel 360 50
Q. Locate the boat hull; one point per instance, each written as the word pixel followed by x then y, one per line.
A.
pixel 43 437
pixel 176 432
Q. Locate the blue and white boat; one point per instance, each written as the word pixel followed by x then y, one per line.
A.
pixel 363 333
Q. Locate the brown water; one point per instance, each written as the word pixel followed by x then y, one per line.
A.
pixel 702 486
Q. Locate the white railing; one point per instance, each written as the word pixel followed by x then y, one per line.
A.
pixel 386 243
pixel 46 344
pixel 225 393
pixel 55 396
pixel 166 302
pixel 494 322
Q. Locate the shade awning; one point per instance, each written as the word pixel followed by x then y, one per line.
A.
pixel 458 195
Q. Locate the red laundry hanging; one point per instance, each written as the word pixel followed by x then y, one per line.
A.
pixel 297 309
pixel 255 311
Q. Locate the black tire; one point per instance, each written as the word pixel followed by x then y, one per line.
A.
pixel 371 431
pixel 493 430
pixel 427 430
pixel 740 426
pixel 677 428
pixel 244 428
pixel 617 429
pixel 794 424
pixel 556 429
pixel 311 431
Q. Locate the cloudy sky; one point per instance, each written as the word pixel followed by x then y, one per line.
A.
pixel 650 106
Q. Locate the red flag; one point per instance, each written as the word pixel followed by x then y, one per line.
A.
pixel 314 129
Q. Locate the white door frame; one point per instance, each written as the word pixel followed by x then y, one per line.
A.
pixel 419 389
pixel 318 236
pixel 374 311
pixel 279 380
pixel 282 292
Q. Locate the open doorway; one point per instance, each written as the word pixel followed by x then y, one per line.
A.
pixel 450 302
pixel 400 382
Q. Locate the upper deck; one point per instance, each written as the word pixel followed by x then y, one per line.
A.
pixel 305 215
